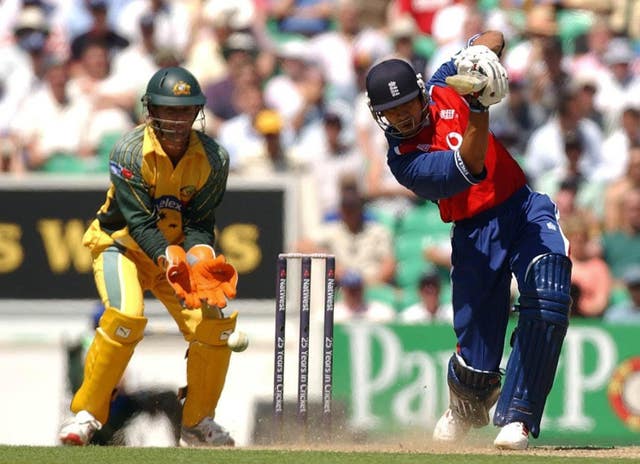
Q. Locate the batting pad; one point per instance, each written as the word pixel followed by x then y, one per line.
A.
pixel 537 341
pixel 207 365
pixel 116 337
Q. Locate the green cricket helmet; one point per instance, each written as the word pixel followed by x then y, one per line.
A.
pixel 174 86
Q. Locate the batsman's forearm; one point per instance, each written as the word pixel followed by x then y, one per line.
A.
pixel 475 142
pixel 494 40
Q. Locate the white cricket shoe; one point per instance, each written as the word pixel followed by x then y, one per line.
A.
pixel 78 430
pixel 449 428
pixel 513 436
pixel 207 433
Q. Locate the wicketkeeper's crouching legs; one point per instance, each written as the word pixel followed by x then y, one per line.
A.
pixel 207 365
pixel 115 339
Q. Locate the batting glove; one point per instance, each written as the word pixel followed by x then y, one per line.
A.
pixel 480 60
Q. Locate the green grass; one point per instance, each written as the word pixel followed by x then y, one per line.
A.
pixel 116 455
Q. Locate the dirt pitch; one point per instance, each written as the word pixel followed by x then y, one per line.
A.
pixel 478 442
pixel 626 452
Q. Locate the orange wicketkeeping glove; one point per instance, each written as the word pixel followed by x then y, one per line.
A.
pixel 179 276
pixel 215 279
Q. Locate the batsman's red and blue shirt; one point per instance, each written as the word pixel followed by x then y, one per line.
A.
pixel 430 164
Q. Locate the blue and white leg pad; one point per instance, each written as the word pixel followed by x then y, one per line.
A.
pixel 544 317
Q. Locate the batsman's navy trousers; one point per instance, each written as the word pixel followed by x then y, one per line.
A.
pixel 487 249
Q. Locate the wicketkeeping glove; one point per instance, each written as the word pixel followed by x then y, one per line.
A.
pixel 179 276
pixel 215 279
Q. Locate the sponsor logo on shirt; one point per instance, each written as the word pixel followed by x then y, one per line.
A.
pixel 448 113
pixel 454 141
pixel 168 202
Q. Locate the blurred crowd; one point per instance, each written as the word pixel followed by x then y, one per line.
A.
pixel 284 86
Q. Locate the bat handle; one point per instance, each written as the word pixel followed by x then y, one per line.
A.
pixel 465 84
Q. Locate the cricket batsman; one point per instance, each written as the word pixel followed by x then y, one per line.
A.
pixel 441 148
pixel 155 232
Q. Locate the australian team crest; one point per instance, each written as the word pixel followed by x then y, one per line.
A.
pixel 181 88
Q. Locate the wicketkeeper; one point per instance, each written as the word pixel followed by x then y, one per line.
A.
pixel 155 233
pixel 440 147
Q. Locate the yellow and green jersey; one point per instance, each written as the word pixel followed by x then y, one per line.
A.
pixel 151 203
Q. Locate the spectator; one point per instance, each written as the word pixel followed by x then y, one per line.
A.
pixel 617 191
pixel 51 124
pixel 422 12
pixel 589 273
pixel 31 40
pixel 305 17
pixel 513 120
pixel 616 147
pixel 524 59
pixel 74 16
pixel 429 308
pixel 140 56
pixel 238 134
pixel 239 52
pixel 453 22
pixel 214 22
pixel 625 18
pixel 589 191
pixel 373 13
pixel 112 100
pixel 332 161
pixel 567 204
pixel 354 307
pixel 358 244
pixel 307 124
pixel 283 91
pixel 271 157
pixel 99 31
pixel 334 50
pixel 402 32
pixel 613 91
pixel 627 311
pixel 468 22
pixel 546 151
pixel 621 248
pixel 585 86
pixel 172 22
pixel 21 70
pixel 591 60
pixel 550 79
